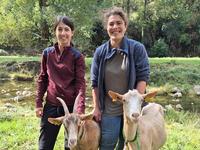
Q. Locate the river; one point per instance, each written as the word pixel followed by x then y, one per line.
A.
pixel 24 92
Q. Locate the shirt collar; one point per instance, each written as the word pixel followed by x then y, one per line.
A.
pixel 57 48
pixel 123 48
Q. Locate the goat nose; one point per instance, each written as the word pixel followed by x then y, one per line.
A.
pixel 72 141
pixel 135 115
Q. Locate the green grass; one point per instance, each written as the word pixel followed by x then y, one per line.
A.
pixel 176 60
pixel 18 58
pixel 21 130
pixel 183 129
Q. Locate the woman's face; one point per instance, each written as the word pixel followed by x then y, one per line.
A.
pixel 63 34
pixel 116 28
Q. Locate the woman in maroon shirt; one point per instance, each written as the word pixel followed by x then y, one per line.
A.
pixel 62 75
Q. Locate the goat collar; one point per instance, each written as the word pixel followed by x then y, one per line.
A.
pixel 135 139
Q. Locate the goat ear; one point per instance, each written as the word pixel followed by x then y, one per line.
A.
pixel 115 96
pixel 148 97
pixel 86 116
pixel 56 121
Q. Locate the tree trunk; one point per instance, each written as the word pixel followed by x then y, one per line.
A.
pixel 144 18
pixel 44 27
pixel 128 8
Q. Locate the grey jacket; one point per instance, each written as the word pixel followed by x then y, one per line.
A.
pixel 138 65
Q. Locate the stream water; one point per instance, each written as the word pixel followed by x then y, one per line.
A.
pixel 24 92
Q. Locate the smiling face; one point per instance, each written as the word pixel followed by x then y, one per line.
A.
pixel 63 34
pixel 116 28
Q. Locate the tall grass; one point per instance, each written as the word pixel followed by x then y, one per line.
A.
pixel 21 130
pixel 183 129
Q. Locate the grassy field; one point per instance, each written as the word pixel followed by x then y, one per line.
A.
pixel 180 72
pixel 19 128
pixel 18 58
pixel 179 60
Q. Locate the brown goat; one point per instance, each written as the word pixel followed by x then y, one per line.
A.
pixel 143 129
pixel 82 132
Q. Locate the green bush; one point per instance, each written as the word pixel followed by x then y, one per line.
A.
pixel 159 49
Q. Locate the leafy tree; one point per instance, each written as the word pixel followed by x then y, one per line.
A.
pixel 26 25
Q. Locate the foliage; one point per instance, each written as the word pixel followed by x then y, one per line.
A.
pixel 26 25
pixel 98 35
pixel 159 49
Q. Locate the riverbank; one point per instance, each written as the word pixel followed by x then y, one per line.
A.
pixel 166 73
pixel 177 80
pixel 20 128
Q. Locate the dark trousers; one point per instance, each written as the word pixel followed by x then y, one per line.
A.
pixel 48 131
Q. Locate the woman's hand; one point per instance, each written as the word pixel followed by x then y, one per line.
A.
pixel 39 112
pixel 97 114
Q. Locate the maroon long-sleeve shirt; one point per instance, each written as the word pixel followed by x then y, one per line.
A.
pixel 61 76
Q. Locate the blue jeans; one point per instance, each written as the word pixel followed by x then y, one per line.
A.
pixel 111 133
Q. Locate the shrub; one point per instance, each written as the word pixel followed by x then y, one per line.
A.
pixel 159 49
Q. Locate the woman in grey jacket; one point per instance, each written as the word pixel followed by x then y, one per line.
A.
pixel 119 64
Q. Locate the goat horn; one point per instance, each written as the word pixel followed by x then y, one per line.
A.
pixel 64 105
pixel 76 102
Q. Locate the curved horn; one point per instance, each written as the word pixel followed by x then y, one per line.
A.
pixel 64 105
pixel 76 102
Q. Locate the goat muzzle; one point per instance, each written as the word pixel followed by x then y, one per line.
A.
pixel 72 143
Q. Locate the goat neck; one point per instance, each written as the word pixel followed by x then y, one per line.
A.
pixel 130 129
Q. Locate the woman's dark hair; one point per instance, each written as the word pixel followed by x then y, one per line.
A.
pixel 64 19
pixel 114 11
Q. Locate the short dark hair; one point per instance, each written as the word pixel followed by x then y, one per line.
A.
pixel 64 19
pixel 114 11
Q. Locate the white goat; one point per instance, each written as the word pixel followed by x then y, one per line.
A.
pixel 143 129
pixel 82 132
